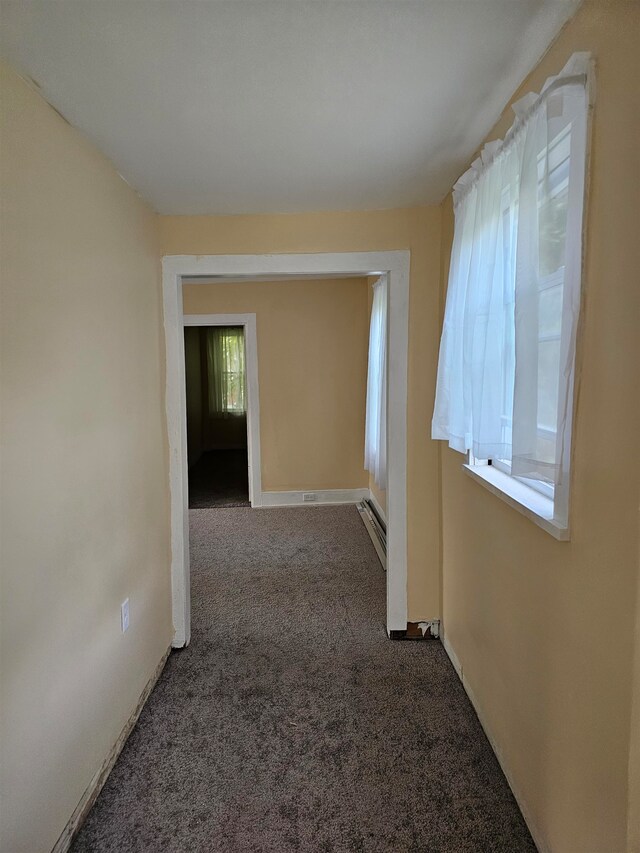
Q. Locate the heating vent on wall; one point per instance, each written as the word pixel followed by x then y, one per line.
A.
pixel 376 528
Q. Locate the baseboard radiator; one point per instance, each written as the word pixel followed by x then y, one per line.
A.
pixel 376 528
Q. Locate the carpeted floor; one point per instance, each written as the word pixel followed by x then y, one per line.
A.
pixel 291 723
pixel 220 478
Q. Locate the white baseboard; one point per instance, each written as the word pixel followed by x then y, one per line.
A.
pixel 95 786
pixel 539 840
pixel 378 508
pixel 322 497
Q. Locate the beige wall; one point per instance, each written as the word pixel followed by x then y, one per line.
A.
pixel 416 229
pixel 544 630
pixel 312 372
pixel 85 517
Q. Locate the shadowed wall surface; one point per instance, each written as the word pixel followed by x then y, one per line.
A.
pixel 85 514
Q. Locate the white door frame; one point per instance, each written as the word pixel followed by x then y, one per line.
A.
pixel 248 323
pixel 396 264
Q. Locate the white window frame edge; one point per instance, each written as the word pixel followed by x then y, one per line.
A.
pixel 396 265
pixel 526 500
pixel 248 323
pixel 551 515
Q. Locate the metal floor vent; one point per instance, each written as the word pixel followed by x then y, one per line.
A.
pixel 376 528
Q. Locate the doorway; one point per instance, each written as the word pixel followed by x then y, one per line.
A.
pixel 217 447
pixel 214 269
pixel 237 393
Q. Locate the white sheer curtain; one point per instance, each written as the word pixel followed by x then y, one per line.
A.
pixel 375 441
pixel 548 279
pixel 226 371
pixel 505 371
pixel 474 366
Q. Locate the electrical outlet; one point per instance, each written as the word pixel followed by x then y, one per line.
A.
pixel 124 615
pixel 309 496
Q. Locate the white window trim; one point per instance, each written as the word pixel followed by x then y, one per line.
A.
pixel 525 499
pixel 545 489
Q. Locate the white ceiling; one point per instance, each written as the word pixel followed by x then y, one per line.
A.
pixel 252 106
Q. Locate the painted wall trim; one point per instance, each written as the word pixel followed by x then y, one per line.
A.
pixel 323 497
pixel 396 264
pixel 90 795
pixel 248 322
pixel 537 836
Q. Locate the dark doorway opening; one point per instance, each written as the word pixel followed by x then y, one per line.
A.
pixel 216 416
pixel 219 478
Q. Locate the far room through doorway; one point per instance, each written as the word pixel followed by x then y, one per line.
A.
pixel 185 270
pixel 215 385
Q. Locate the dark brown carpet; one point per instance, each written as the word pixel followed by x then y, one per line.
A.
pixel 291 723
pixel 220 478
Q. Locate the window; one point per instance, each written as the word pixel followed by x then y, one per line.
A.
pixel 505 374
pixel 226 370
pixel 552 199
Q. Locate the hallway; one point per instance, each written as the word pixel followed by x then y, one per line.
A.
pixel 291 723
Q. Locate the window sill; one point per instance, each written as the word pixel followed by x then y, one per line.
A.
pixel 522 498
